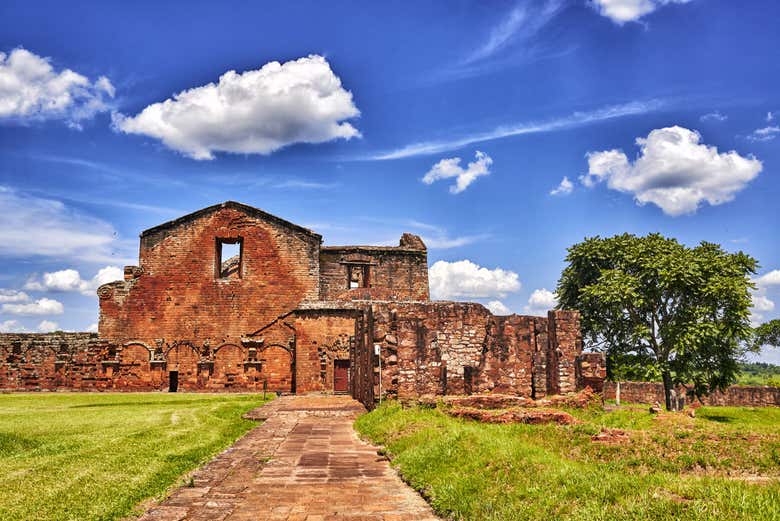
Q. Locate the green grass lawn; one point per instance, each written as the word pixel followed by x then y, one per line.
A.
pixel 722 465
pixel 97 456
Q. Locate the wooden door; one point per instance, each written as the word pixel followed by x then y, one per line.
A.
pixel 341 376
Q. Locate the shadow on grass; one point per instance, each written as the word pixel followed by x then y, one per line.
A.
pixel 718 418
pixel 135 404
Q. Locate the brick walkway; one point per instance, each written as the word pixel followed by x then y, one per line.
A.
pixel 304 462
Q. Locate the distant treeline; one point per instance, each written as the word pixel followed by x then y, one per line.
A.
pixel 759 373
pixel 632 368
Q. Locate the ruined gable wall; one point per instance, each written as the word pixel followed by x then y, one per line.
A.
pixel 395 273
pixel 176 296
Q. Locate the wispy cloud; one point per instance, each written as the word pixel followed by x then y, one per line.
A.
pixel 510 41
pixel 577 119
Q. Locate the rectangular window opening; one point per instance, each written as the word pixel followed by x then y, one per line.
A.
pixel 357 275
pixel 229 258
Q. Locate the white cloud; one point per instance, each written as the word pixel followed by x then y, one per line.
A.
pixel 564 188
pixel 464 279
pixel 622 11
pixel 449 168
pixel 767 133
pixel 576 119
pixel 762 303
pixel 674 171
pixel 12 295
pixel 12 326
pixel 70 280
pixel 33 226
pixel 47 326
pixel 31 89
pixel 714 116
pixel 541 301
pixel 255 112
pixel 92 328
pixel 770 116
pixel 771 278
pixel 43 306
pixel 498 308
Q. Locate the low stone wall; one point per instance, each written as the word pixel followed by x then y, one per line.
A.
pixel 736 395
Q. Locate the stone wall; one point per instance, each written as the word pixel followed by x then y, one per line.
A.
pixel 178 295
pixel 591 371
pixel 381 273
pixel 321 337
pixel 85 362
pixel 736 395
pixel 461 348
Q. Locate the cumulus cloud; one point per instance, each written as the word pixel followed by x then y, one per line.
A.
pixel 771 278
pixel 92 328
pixel 47 326
pixel 761 302
pixel 465 279
pixel 622 11
pixel 450 168
pixel 69 280
pixel 714 116
pixel 12 326
pixel 34 226
pixel 767 133
pixel 255 112
pixel 43 306
pixel 674 171
pixel 541 301
pixel 12 295
pixel 564 188
pixel 31 89
pixel 498 308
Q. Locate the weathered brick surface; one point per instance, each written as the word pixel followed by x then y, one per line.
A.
pixel 736 395
pixel 591 371
pixel 393 273
pixel 282 315
pixel 443 348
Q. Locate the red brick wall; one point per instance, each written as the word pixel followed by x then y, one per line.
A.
pixel 177 296
pixel 320 338
pixel 456 348
pixel 394 273
pixel 736 395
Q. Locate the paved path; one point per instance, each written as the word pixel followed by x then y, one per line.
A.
pixel 304 462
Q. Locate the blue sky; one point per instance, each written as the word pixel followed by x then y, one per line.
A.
pixel 453 120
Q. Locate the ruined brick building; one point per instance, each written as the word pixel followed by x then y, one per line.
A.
pixel 233 298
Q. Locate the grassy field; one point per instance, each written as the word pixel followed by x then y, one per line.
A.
pixel 724 464
pixel 97 456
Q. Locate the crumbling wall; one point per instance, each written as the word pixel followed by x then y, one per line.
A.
pixel 461 348
pixel 565 344
pixel 177 294
pixel 85 362
pixel 591 371
pixel 322 336
pixel 391 273
pixel 736 395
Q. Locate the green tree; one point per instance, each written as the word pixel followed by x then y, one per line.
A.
pixel 767 334
pixel 684 310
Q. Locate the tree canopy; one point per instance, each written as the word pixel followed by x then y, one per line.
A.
pixel 767 334
pixel 683 310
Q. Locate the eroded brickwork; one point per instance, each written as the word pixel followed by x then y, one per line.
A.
pixel 281 312
pixel 736 395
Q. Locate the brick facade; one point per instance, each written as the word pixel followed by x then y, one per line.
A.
pixel 735 395
pixel 281 312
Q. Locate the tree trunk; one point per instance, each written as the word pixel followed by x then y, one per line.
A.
pixel 667 377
